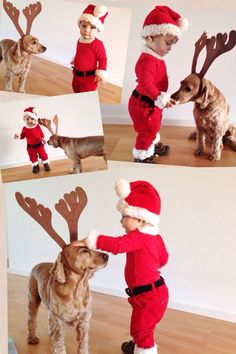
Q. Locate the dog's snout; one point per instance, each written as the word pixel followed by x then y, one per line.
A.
pixel 44 48
pixel 105 257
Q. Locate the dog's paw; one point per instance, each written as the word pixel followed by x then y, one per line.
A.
pixel 32 339
pixel 214 157
pixel 199 152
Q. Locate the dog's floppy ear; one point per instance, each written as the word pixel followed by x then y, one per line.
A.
pixel 16 51
pixel 58 270
pixel 205 96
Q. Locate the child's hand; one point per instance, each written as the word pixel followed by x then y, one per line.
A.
pixel 16 136
pixel 43 141
pixel 79 243
pixel 99 80
pixel 170 103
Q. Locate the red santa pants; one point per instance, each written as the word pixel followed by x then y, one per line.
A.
pixel 147 121
pixel 38 152
pixel 148 310
pixel 84 83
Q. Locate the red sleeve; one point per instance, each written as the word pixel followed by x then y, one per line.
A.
pixel 101 56
pixel 40 132
pixel 164 255
pixel 22 135
pixel 121 244
pixel 147 72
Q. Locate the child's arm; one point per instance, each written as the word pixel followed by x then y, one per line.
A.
pixel 101 73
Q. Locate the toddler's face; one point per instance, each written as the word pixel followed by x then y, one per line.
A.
pixel 30 122
pixel 160 44
pixel 130 224
pixel 87 30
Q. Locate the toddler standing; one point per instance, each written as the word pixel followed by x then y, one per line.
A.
pixel 34 136
pixel 140 206
pixel 90 61
pixel 161 30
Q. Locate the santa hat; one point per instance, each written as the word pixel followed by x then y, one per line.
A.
pixel 139 200
pixel 32 112
pixel 95 14
pixel 163 20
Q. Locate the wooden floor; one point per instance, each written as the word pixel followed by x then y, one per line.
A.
pixel 120 140
pixel 178 332
pixel 49 79
pixel 58 168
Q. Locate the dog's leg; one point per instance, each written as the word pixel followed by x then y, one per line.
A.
pixel 58 334
pixel 9 79
pixel 82 337
pixel 200 143
pixel 34 301
pixel 77 166
pixel 22 80
pixel 217 146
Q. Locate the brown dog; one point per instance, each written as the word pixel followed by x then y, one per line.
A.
pixel 75 149
pixel 211 111
pixel 63 287
pixel 17 56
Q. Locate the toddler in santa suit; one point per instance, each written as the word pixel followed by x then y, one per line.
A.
pixel 161 30
pixel 90 61
pixel 35 139
pixel 139 205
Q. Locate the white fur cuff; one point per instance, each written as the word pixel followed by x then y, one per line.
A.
pixel 152 350
pixel 91 239
pixel 101 73
pixel 162 100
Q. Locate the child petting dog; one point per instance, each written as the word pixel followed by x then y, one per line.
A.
pixel 35 139
pixel 90 61
pixel 140 206
pixel 161 30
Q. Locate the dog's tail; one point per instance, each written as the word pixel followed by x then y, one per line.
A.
pixel 229 138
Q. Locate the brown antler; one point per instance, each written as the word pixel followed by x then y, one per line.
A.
pixel 40 214
pixel 199 45
pixel 70 208
pixel 46 123
pixel 14 14
pixel 30 13
pixel 216 46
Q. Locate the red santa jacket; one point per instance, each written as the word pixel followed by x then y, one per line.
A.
pixel 90 56
pixel 145 255
pixel 151 75
pixel 32 135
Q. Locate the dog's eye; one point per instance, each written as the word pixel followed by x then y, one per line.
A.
pixel 34 42
pixel 188 89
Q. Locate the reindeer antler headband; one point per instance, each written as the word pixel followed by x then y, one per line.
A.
pixel 215 46
pixel 30 12
pixel 70 208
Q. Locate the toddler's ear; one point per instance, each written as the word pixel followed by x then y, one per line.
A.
pixel 148 39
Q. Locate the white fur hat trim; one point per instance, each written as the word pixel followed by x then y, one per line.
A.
pixel 163 29
pixel 138 213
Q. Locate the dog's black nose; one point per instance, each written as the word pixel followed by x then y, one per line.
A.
pixel 105 257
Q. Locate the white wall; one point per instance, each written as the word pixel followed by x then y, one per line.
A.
pixel 211 15
pixel 197 223
pixel 56 27
pixel 79 115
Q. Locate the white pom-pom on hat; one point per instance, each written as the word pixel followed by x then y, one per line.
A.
pixel 99 11
pixel 122 188
pixel 183 24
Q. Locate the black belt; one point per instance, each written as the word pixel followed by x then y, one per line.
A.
pixel 143 288
pixel 34 146
pixel 143 98
pixel 83 73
